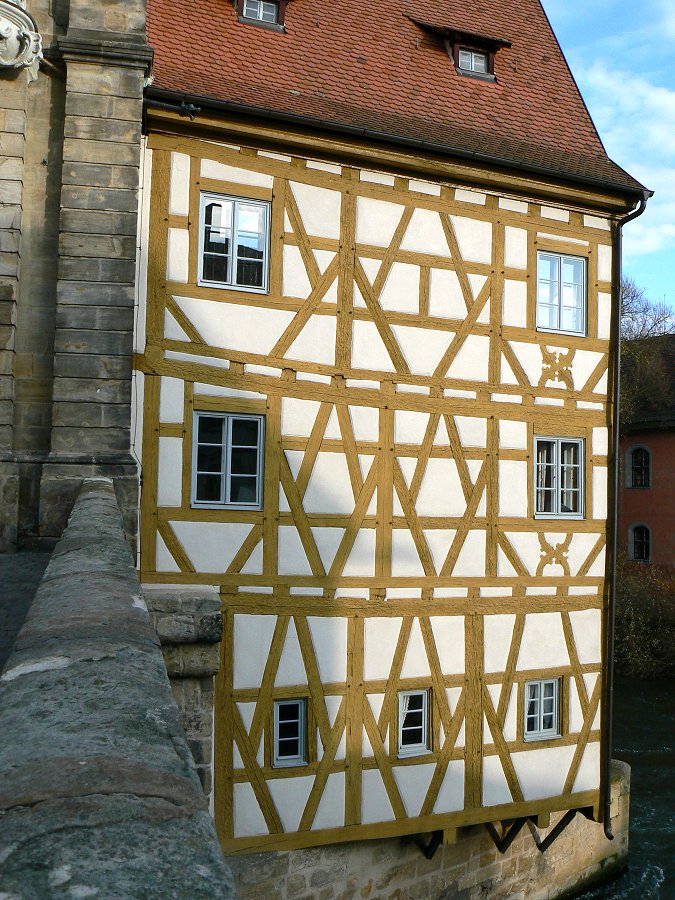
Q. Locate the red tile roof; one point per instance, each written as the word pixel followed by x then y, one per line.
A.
pixel 368 65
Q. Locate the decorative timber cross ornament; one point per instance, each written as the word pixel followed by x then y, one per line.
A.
pixel 20 42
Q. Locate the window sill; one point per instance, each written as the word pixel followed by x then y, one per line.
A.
pixel 559 517
pixel 268 26
pixel 561 331
pixel 233 507
pixel 480 76
pixel 223 285
pixel 542 736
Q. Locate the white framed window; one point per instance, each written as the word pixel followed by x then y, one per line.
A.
pixel 234 242
pixel 261 10
pixel 559 478
pixel 227 460
pixel 542 709
pixel 474 61
pixel 561 293
pixel 639 543
pixel 413 723
pixel 290 733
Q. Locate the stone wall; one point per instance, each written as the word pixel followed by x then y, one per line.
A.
pixel 469 869
pixel 98 792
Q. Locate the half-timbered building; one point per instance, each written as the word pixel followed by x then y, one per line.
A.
pixel 373 397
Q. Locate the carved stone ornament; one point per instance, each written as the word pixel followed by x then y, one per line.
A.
pixel 20 43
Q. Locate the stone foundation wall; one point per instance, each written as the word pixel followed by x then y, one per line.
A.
pixel 471 868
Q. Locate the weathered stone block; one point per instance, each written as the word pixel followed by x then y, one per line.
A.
pixel 97 129
pixel 99 198
pixel 96 105
pixel 89 390
pixel 81 365
pixel 93 221
pixel 77 150
pixel 75 268
pixel 83 341
pixel 96 245
pixel 102 175
pixel 11 144
pixel 117 81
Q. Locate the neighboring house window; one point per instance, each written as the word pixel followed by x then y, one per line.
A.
pixel 558 477
pixel 474 61
pixel 640 468
pixel 542 709
pixel 227 460
pixel 290 732
pixel 561 293
pixel 413 723
pixel 234 239
pixel 639 543
pixel 262 10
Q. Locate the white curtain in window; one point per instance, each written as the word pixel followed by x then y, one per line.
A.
pixel 404 707
pixel 542 459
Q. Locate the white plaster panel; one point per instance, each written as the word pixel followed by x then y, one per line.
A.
pixel 290 798
pixel 177 254
pixel 421 347
pixel 553 212
pixel 253 565
pixel 323 258
pixel 527 547
pixel 327 542
pixel 413 783
pixel 371 267
pixel 580 546
pixel 460 395
pixel 543 645
pixel 515 247
pixel 376 221
pixel 279 156
pixel 596 222
pixel 582 404
pixel 587 630
pixel 330 812
pixel 401 289
pixel 405 560
pixel 409 426
pixel 518 206
pixel 604 315
pixel 425 187
pixel 497 631
pixel 512 488
pixel 441 490
pixel 583 590
pixel 211 546
pixel 542 773
pixel 324 166
pixel 439 541
pixel 451 794
pixel 170 471
pixel 599 492
pixel 252 642
pixel 164 561
pixel 449 638
pixel 601 387
pixel 229 325
pixel 221 172
pixel 295 281
pixel 365 422
pixel 298 416
pixel 172 329
pixel 495 788
pixel 604 262
pixel 505 398
pixel 179 185
pixel 441 438
pixel 375 805
pixel 361 561
pixel 600 442
pixel 472 431
pixel 513 435
pixel 248 817
pixel 406 593
pixel 514 309
pixel 319 209
pixel 313 376
pixel 316 341
pixel 380 639
pixel 377 177
pixel 530 358
pixel 291 669
pixel 329 637
pixel 375 702
pixel 576 720
pixel 415 661
pixel 171 399
pixel 588 776
pixel 582 365
pixel 292 556
pixel 329 488
pixel 470 196
pixel 474 239
pixel 504 567
pixel 425 234
pixel 446 299
pixel 368 349
pixel 511 721
pixel 472 360
pixel 471 560
pixel 197 360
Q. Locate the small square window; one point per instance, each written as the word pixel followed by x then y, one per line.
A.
pixel 558 478
pixel 542 709
pixel 561 293
pixel 233 242
pixel 474 61
pixel 227 460
pixel 290 733
pixel 413 723
pixel 261 11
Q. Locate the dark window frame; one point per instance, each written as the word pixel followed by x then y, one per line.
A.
pixel 640 542
pixel 639 473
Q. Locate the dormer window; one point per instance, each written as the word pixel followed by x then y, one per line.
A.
pixel 266 13
pixel 474 61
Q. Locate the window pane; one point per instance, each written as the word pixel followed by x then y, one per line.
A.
pixel 208 488
pixel 252 9
pixel 270 12
pixel 289 748
pixel 545 477
pixel 573 270
pixel 479 62
pixel 250 273
pixel 210 430
pixel 288 711
pixel 243 489
pixel 465 59
pixel 570 478
pixel 245 432
pixel 244 462
pixel 288 730
pixel 209 458
pixel 547 267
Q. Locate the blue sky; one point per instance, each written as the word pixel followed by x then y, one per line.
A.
pixel 622 55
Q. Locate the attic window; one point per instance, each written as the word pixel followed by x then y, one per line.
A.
pixel 474 61
pixel 266 13
pixel 477 61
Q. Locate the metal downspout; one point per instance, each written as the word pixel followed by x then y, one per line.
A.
pixel 609 649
